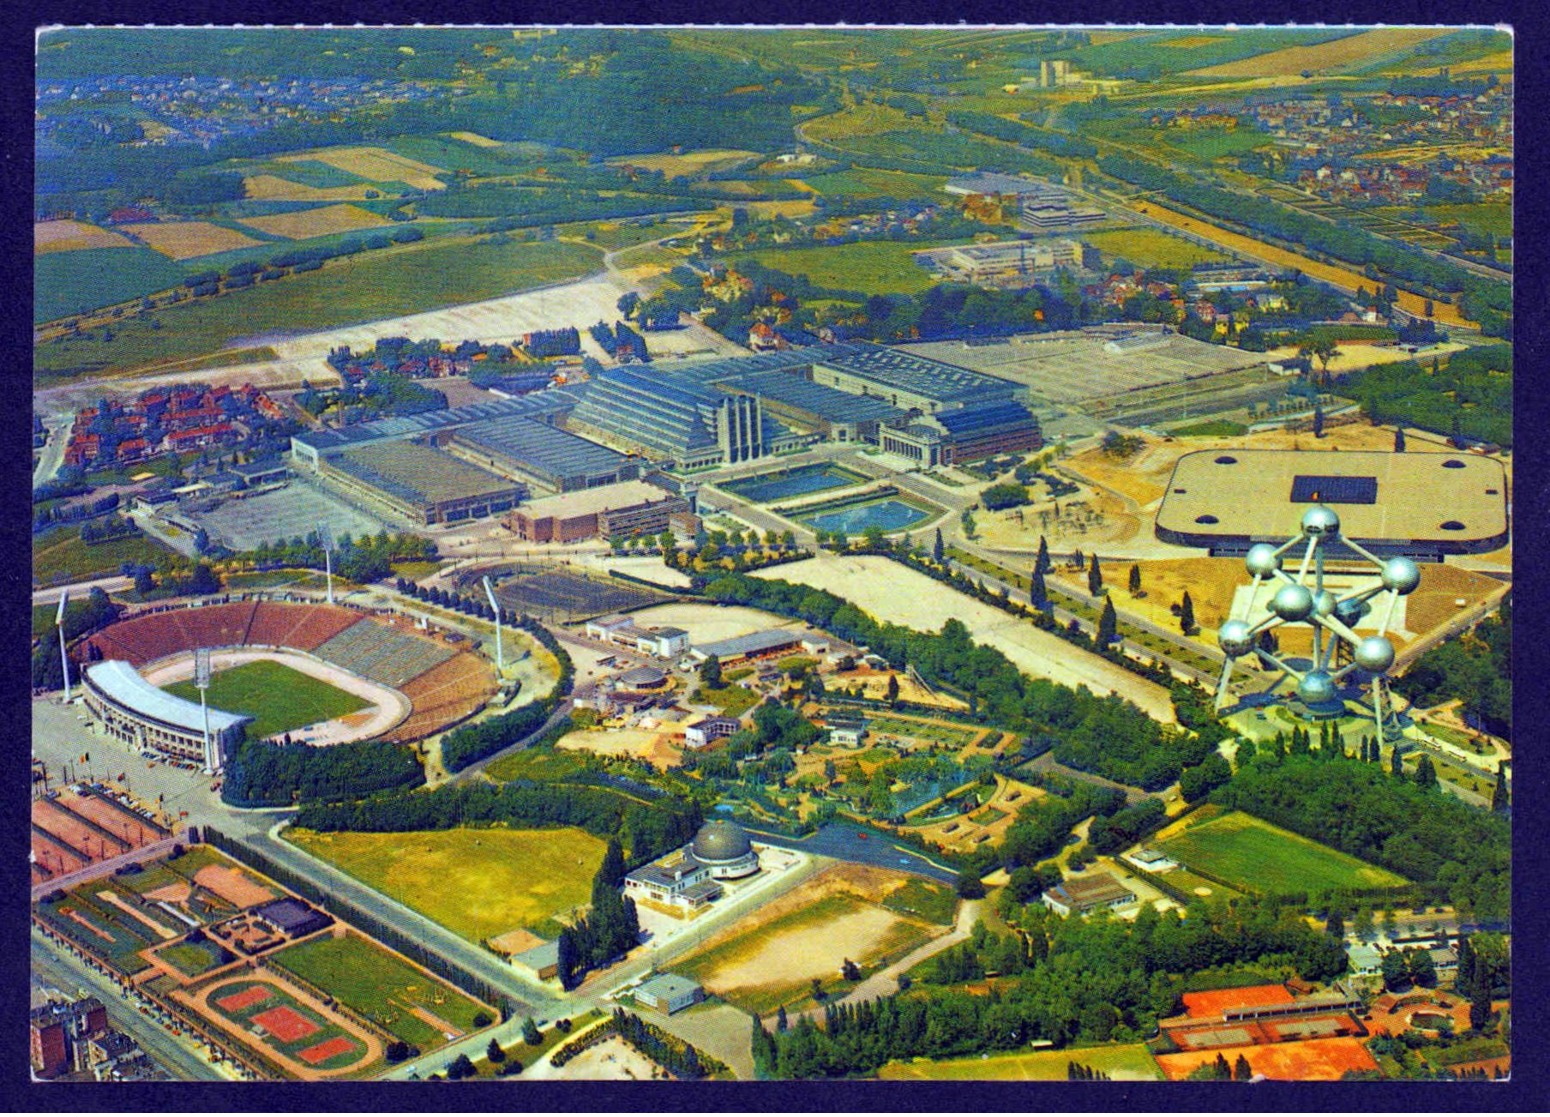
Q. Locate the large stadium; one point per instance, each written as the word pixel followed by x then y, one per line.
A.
pixel 315 673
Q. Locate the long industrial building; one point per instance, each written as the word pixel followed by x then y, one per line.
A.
pixel 545 456
pixel 145 717
pixel 419 482
pixel 625 509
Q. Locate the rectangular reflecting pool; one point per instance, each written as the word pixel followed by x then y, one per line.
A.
pixel 889 513
pixel 767 487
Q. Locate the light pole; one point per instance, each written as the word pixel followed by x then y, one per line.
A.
pixel 59 623
pixel 500 654
pixel 202 681
pixel 326 541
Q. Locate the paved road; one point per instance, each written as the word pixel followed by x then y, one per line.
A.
pixel 79 590
pixel 66 974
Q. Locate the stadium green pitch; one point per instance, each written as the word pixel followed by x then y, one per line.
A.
pixel 278 698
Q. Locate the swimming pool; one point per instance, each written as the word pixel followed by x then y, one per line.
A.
pixel 766 488
pixel 889 514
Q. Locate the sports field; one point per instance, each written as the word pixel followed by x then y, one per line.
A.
pixel 477 883
pixel 1253 855
pixel 1151 248
pixel 1128 1062
pixel 1309 1060
pixel 288 1026
pixel 279 698
pixel 416 1007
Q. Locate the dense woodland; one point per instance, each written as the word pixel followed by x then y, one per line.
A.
pixel 1476 668
pixel 1470 396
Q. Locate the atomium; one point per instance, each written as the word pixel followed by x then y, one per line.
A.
pixel 1302 598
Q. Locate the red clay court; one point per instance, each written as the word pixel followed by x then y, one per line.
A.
pixel 285 1024
pixel 236 1002
pixel 1214 1002
pixel 1313 1060
pixel 322 1052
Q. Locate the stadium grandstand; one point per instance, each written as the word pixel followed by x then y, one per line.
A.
pixel 146 718
pixel 443 684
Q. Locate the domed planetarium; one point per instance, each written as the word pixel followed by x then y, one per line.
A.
pixel 722 846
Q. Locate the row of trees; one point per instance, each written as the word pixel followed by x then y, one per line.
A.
pixel 265 774
pixel 472 743
pixel 608 930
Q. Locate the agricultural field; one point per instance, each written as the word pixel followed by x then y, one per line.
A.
pixel 59 556
pixel 1254 855
pixel 1151 248
pixel 256 688
pixel 770 957
pixel 1337 56
pixel 274 188
pixel 83 279
pixel 415 1006
pixel 374 164
pixel 872 267
pixel 185 240
pixel 448 271
pixel 1213 143
pixel 323 221
pixel 1483 218
pixel 1129 1062
pixel 478 883
pixel 70 236
pixel 475 138
pixel 688 163
pixel 868 182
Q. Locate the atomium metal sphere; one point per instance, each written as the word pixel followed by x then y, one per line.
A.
pixel 1235 639
pixel 1401 575
pixel 1323 603
pixel 1349 611
pixel 1375 654
pixel 1262 560
pixel 1320 522
pixel 1316 688
pixel 1292 603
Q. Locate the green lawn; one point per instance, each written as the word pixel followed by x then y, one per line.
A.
pixel 478 883
pixel 1213 143
pixel 868 182
pixel 192 960
pixel 86 278
pixel 733 701
pixel 924 899
pixel 1253 855
pixel 537 764
pixel 440 272
pixel 59 556
pixel 1123 1062
pixel 873 267
pixel 1151 248
pixel 381 986
pixel 1214 428
pixel 256 689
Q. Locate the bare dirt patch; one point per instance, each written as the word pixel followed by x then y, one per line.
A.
pixel 232 885
pixel 273 188
pixel 612 1060
pixel 709 623
pixel 376 164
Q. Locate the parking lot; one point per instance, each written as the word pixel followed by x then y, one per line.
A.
pixel 283 514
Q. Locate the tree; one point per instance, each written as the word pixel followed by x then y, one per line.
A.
pixel 1241 1071
pixel 1094 578
pixel 1042 564
pixel 1318 422
pixel 1399 440
pixel 937 550
pixel 530 1033
pixel 144 582
pixel 710 673
pixel 1108 624
pixel 1334 926
pixel 817 989
pixel 893 689
pixel 461 1067
pixel 1396 762
pixel 494 1052
pixel 1135 579
pixel 1187 615
pixel 611 871
pixel 969 885
pixel 1038 593
pixel 1425 774
pixel 1396 971
pixel 1499 798
pixel 872 536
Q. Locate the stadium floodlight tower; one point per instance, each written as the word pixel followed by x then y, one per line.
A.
pixel 500 652
pixel 326 541
pixel 64 658
pixel 1303 599
pixel 202 681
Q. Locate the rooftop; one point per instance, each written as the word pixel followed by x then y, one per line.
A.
pixel 1089 891
pixel 123 684
pixel 603 498
pixel 531 441
pixel 544 403
pixel 828 403
pixel 910 372
pixel 750 644
pixel 667 986
pixel 1454 498
pixel 419 474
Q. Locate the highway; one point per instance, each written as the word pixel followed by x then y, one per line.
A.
pixel 59 970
